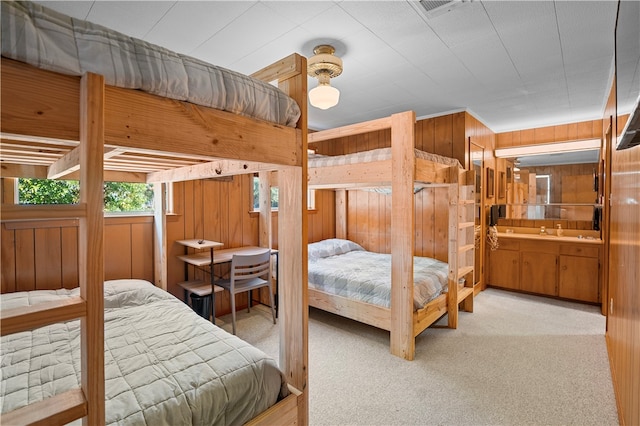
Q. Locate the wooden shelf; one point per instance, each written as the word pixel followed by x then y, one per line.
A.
pixel 199 287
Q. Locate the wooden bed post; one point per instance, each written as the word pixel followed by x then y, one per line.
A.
pixel 292 248
pixel 453 256
pixel 91 245
pixel 402 234
pixel 341 213
pixel 160 234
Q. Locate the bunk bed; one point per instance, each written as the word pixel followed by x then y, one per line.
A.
pixel 174 368
pixel 90 123
pixel 402 168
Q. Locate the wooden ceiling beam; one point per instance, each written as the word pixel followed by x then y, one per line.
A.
pixel 212 169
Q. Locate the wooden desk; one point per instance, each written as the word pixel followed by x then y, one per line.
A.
pixel 199 244
pixel 201 259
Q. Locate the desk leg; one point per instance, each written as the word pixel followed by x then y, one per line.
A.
pixel 186 276
pixel 213 291
pixel 277 284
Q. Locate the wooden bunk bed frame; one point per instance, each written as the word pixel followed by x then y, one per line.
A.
pixel 401 172
pixel 55 125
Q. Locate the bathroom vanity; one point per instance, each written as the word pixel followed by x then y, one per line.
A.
pixel 567 267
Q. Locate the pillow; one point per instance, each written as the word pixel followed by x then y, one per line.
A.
pixel 332 247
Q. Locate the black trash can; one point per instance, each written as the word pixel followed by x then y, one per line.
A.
pixel 201 304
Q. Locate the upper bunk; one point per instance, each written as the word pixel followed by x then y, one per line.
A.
pixel 163 111
pixel 376 168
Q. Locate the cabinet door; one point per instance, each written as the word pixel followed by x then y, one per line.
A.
pixel 504 268
pixel 539 273
pixel 579 278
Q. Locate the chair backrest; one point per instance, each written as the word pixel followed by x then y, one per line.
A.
pixel 249 266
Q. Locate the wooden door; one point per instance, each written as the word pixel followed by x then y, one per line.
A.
pixel 578 278
pixel 539 273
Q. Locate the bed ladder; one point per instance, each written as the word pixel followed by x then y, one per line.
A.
pixel 461 244
pixel 87 401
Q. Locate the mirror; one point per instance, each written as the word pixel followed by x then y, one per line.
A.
pixel 477 164
pixel 557 186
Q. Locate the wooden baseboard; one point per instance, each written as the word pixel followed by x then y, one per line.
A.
pixel 614 381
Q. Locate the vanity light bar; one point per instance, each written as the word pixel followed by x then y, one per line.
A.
pixel 547 148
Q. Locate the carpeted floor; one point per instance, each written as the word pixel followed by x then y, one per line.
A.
pixel 517 360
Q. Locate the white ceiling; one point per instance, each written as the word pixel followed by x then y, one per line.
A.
pixel 512 64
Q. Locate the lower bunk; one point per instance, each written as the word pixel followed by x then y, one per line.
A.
pixel 164 364
pixel 347 280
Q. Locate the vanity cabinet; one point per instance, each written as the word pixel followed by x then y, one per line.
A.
pixel 550 267
pixel 538 272
pixel 504 265
pixel 578 273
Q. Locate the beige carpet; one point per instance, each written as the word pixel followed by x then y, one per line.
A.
pixel 517 360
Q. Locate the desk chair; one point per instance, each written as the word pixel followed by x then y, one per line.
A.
pixel 248 272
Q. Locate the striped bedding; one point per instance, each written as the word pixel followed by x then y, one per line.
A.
pixel 344 268
pixel 50 40
pixel 380 154
pixel 164 365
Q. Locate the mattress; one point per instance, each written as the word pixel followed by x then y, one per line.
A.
pixel 379 154
pixel 50 40
pixel 344 268
pixel 164 365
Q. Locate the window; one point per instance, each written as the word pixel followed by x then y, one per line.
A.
pixel 118 196
pixel 256 195
pixel 311 196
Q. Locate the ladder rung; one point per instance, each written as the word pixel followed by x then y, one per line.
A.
pixel 28 318
pixel 466 202
pixel 464 292
pixel 466 248
pixel 464 271
pixel 463 225
pixel 59 409
pixel 34 212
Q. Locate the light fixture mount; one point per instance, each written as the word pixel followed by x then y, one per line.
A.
pixel 324 62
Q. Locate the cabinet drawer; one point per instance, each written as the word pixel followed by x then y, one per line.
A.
pixel 508 244
pixel 579 250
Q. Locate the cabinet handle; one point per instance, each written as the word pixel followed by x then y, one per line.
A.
pixel 564 268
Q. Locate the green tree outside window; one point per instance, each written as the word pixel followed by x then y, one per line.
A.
pixel 118 196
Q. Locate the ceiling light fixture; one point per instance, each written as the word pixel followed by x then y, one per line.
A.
pixel 324 65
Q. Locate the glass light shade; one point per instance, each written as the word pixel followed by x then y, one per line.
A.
pixel 324 96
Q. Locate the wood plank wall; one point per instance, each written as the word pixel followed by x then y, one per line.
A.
pixel 215 210
pixel 43 255
pixel 591 129
pixel 369 213
pixel 623 321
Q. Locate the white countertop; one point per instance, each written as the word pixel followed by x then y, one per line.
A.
pixel 548 237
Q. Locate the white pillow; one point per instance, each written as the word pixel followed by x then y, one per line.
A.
pixel 332 247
